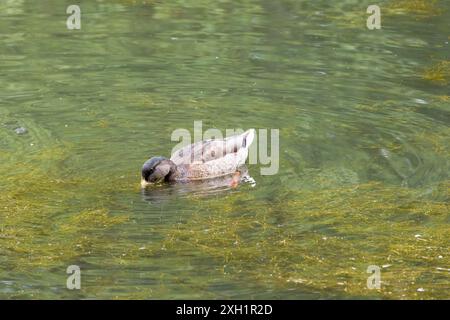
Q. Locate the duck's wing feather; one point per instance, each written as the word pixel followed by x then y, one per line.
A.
pixel 214 150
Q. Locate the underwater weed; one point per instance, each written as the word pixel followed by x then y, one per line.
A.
pixel 331 238
pixel 424 8
pixel 438 73
pixel 38 226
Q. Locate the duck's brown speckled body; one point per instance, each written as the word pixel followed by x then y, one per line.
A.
pixel 202 160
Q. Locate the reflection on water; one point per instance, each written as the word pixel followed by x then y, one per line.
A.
pixel 364 149
pixel 161 193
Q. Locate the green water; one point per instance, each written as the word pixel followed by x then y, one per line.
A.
pixel 364 149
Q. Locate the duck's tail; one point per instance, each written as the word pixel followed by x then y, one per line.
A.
pixel 239 144
pixel 248 137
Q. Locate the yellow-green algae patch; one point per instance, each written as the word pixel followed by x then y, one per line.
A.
pixel 307 240
pixel 421 8
pixel 325 240
pixel 438 73
pixel 38 226
pixel 349 17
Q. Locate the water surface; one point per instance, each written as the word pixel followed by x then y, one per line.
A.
pixel 364 149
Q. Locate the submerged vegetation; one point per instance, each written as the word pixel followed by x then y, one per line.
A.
pixel 424 8
pixel 438 73
pixel 303 240
pixel 39 224
pixel 38 227
pixel 325 240
pixel 349 16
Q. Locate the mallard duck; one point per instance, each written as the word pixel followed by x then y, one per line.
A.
pixel 202 160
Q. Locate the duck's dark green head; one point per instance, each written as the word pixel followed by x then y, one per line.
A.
pixel 156 169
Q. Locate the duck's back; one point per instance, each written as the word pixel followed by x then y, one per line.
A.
pixel 213 158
